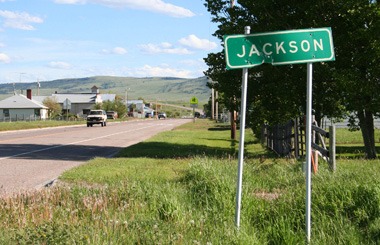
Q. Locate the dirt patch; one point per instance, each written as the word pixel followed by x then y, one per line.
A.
pixel 269 196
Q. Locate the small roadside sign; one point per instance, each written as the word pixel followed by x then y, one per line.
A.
pixel 194 104
pixel 67 104
pixel 194 101
pixel 279 48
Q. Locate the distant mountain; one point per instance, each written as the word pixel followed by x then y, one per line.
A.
pixel 169 89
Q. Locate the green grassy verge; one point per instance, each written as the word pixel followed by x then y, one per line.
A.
pixel 179 188
pixel 349 145
pixel 19 125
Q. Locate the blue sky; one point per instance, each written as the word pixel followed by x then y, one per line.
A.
pixel 44 40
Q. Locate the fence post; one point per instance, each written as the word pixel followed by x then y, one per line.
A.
pixel 263 134
pixel 332 161
pixel 296 135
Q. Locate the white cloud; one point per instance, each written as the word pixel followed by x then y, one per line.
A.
pixel 119 50
pixel 157 6
pixel 190 41
pixel 163 48
pixel 116 50
pixel 4 58
pixel 160 71
pixel 197 43
pixel 60 65
pixel 19 20
pixel 194 63
pixel 70 1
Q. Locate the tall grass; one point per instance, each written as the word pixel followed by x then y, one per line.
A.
pixel 152 194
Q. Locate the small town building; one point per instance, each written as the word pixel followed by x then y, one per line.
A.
pixel 75 104
pixel 78 104
pixel 20 107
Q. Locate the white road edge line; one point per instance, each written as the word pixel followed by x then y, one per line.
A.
pixel 73 143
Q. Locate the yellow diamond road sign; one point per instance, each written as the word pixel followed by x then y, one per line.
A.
pixel 194 101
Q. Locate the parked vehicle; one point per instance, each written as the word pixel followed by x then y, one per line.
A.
pixel 150 114
pixel 97 117
pixel 112 115
pixel 162 115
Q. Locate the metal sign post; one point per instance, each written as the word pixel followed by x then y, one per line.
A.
pixel 309 100
pixel 241 142
pixel 194 104
pixel 279 48
pixel 67 107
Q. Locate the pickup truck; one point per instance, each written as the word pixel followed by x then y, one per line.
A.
pixel 97 117
pixel 112 114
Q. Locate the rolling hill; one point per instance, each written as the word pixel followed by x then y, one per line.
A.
pixel 168 89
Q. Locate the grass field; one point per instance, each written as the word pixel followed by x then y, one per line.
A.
pixel 350 145
pixel 19 125
pixel 179 188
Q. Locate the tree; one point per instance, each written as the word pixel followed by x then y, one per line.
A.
pixel 359 66
pixel 98 106
pixel 54 109
pixel 116 105
pixel 277 93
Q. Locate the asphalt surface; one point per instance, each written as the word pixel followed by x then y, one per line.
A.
pixel 32 159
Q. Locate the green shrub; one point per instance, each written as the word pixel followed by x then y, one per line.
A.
pixel 365 206
pixel 210 187
pixel 374 231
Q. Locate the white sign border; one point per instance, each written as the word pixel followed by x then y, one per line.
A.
pixel 327 29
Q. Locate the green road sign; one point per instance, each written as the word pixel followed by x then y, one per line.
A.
pixel 279 48
pixel 194 101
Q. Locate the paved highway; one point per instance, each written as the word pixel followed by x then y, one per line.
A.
pixel 30 159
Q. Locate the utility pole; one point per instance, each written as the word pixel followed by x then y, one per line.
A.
pixel 126 96
pixel 14 85
pixel 126 99
pixel 38 87
pixel 212 104
pixel 156 109
pixel 216 106
pixel 233 112
pixel 233 120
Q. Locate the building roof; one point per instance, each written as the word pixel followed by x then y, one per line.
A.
pixel 19 101
pixel 131 102
pixel 76 98
pixel 110 97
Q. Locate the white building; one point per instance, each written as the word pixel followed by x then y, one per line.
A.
pixel 20 107
pixel 78 104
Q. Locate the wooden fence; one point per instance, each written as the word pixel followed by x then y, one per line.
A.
pixel 20 117
pixel 288 140
pixel 279 138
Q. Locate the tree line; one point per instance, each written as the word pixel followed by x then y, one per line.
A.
pixel 347 87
